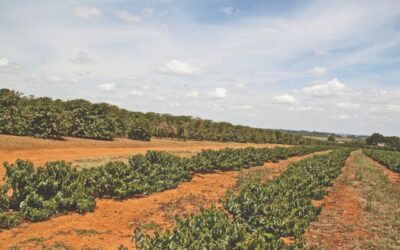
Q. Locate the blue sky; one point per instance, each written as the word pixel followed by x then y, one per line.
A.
pixel 315 65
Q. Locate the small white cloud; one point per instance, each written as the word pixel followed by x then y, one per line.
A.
pixel 148 12
pixel 241 107
pixel 86 11
pixel 176 67
pixel 240 86
pixel 193 94
pixel 341 117
pixel 107 86
pixel 136 93
pixel 300 108
pixel 4 62
pixel 128 17
pixel 320 52
pixel 227 10
pixel 54 79
pixel 329 89
pixel 318 71
pixel 284 99
pixel 82 58
pixel 349 106
pixel 218 93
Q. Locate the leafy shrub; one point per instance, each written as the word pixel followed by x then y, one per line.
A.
pixel 390 159
pixel 140 130
pixel 259 215
pixel 43 192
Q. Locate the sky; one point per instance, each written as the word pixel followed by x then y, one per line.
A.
pixel 328 66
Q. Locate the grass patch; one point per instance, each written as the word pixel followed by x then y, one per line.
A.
pixel 381 206
pixel 86 232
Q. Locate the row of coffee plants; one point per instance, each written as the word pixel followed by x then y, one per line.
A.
pixel 40 193
pixel 48 118
pixel 391 159
pixel 260 215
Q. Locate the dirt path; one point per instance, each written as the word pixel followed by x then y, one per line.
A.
pixel 338 225
pixel 113 222
pixel 40 150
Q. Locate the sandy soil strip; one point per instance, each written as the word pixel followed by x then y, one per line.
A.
pixel 113 222
pixel 339 225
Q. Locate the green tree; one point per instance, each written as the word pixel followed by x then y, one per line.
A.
pixel 140 130
pixel 331 138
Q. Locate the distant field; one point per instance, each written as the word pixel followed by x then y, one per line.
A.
pixel 323 138
pixel 87 153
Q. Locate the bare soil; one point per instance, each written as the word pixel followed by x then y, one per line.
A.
pixel 113 222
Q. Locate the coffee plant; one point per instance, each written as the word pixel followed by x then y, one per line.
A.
pixel 391 159
pixel 56 188
pixel 260 214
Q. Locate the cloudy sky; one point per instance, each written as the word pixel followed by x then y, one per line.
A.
pixel 315 65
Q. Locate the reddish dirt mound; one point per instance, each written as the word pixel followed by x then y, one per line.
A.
pixel 113 222
pixel 338 224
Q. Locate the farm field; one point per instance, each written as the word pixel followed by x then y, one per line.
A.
pixel 113 222
pixel 86 152
pixel 362 209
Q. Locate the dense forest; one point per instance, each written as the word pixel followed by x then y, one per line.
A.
pixel 44 117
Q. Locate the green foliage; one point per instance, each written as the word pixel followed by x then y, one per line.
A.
pixel 211 229
pixel 331 138
pixel 9 220
pixel 48 118
pixel 260 215
pixel 390 159
pixel 56 188
pixel 391 142
pixel 140 130
pixel 46 191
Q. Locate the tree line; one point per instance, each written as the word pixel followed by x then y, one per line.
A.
pixel 45 117
pixel 389 142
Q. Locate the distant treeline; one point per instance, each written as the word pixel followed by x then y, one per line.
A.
pixel 387 142
pixel 44 117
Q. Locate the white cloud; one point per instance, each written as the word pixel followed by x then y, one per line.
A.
pixel 318 71
pixel 107 86
pixel 218 93
pixel 300 108
pixel 148 12
pixel 241 107
pixel 81 58
pixel 136 93
pixel 320 52
pixel 86 11
pixel 193 94
pixel 176 67
pixel 4 62
pixel 349 106
pixel 331 88
pixel 54 79
pixel 128 17
pixel 341 117
pixel 227 10
pixel 284 99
